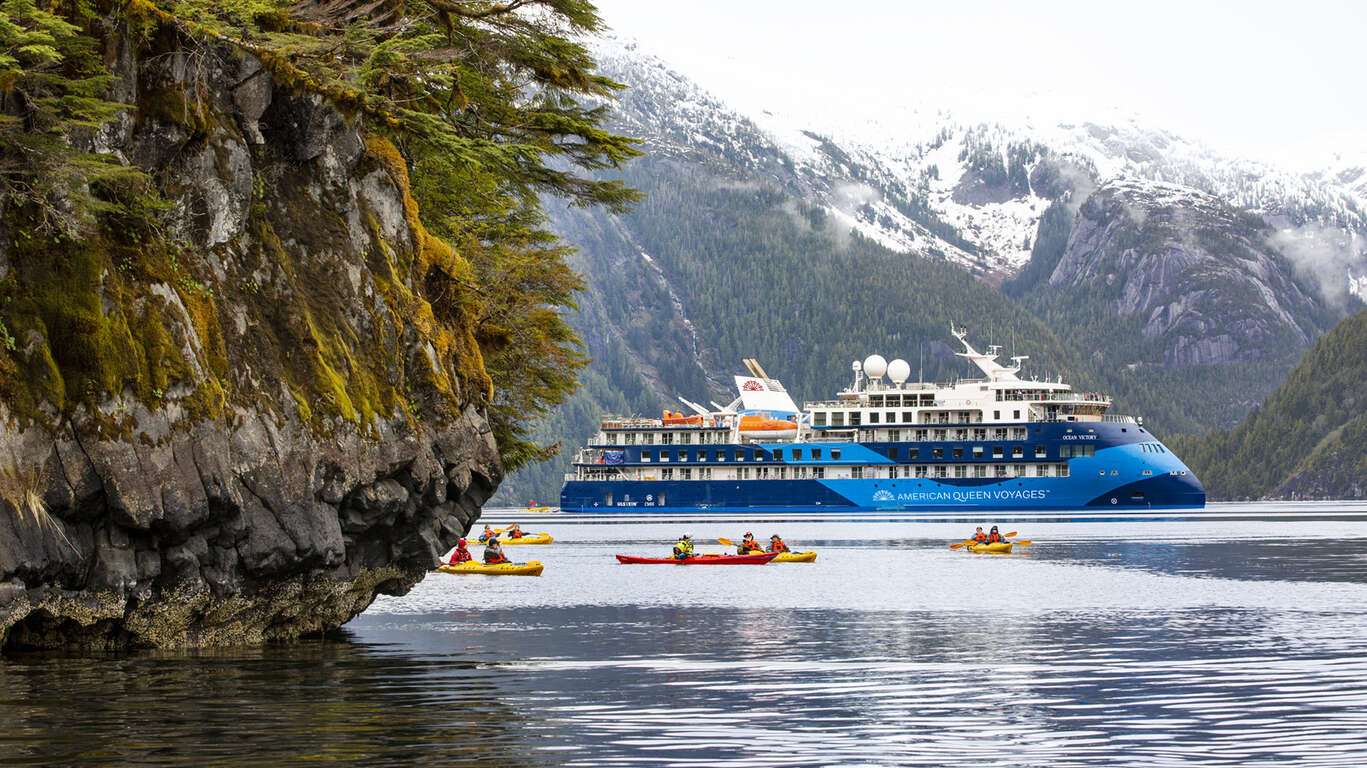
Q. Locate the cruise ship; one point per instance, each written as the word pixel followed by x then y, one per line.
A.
pixel 885 444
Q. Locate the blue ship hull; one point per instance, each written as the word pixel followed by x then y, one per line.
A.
pixel 1127 469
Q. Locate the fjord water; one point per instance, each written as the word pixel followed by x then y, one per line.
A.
pixel 1237 638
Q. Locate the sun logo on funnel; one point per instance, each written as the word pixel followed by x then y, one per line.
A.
pixel 752 386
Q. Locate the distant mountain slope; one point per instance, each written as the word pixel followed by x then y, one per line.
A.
pixel 1123 268
pixel 1308 440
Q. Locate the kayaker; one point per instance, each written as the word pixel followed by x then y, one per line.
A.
pixel 683 548
pixel 488 534
pixel 748 545
pixel 514 532
pixel 776 544
pixel 461 555
pixel 994 537
pixel 493 553
pixel 980 537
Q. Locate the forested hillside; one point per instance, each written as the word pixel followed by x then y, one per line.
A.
pixel 1308 440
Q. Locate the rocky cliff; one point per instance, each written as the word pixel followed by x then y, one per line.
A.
pixel 243 422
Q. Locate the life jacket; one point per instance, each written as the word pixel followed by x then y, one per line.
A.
pixel 993 538
pixel 495 556
pixel 516 535
pixel 778 546
pixel 747 547
pixel 683 549
pixel 461 556
pixel 488 534
pixel 980 537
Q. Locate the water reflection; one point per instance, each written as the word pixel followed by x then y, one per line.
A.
pixel 1123 644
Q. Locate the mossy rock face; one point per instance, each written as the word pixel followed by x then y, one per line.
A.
pixel 242 419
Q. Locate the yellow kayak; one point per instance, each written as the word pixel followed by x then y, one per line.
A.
pixel 795 557
pixel 527 538
pixel 532 568
pixel 997 548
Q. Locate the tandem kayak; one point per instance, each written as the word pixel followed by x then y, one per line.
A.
pixel 759 559
pixel 532 568
pixel 527 538
pixel 795 557
pixel 996 548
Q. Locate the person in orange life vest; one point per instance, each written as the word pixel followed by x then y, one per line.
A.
pixel 515 532
pixel 776 544
pixel 493 552
pixel 980 537
pixel 461 555
pixel 487 534
pixel 994 537
pixel 748 545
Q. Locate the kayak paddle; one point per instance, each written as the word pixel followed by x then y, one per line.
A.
pixel 1025 543
pixel 726 542
pixel 963 543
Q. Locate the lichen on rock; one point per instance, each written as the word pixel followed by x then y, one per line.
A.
pixel 244 426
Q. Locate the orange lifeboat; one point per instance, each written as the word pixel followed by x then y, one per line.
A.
pixel 679 420
pixel 760 426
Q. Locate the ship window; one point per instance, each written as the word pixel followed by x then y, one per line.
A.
pixel 721 455
pixel 920 470
pixel 835 454
pixel 1148 472
pixel 1015 414
pixel 873 417
pixel 778 454
pixel 819 419
pixel 1041 451
pixel 666 474
pixel 837 419
pixel 920 435
pixel 816 454
pixel 1065 451
pixel 685 474
pixel 1124 429
pixel 913 453
pixel 940 471
pixel 996 451
pixel 1060 470
pixel 908 417
pixel 740 455
pixel 702 455
pixel 958 453
pixel 960 470
pixel 647 455
pixel 1020 470
pixel 1137 495
pixel 1017 452
pixel 666 438
pixel 938 453
pixel 894 435
pixel 977 451
pixel 782 473
pixel 1115 472
pixel 818 472
pixel 857 473
pixel 683 455
pixel 797 454
pixel 854 418
pixel 980 470
pixel 1000 470
pixel 996 415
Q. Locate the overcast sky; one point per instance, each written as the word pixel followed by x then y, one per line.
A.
pixel 1279 81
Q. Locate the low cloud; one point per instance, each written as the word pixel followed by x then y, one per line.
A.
pixel 1332 256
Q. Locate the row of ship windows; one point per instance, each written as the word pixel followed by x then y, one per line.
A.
pixel 893 452
pixel 868 472
pixel 851 418
pixel 700 437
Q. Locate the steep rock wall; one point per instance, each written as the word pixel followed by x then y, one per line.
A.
pixel 244 425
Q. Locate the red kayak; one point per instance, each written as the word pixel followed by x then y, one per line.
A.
pixel 759 559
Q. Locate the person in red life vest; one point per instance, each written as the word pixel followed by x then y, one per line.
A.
pixel 980 537
pixel 493 553
pixel 487 534
pixel 776 544
pixel 514 532
pixel 461 554
pixel 994 537
pixel 748 545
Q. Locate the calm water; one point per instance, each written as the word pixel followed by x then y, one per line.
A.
pixel 1238 639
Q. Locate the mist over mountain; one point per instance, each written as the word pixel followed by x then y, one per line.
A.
pixel 1185 283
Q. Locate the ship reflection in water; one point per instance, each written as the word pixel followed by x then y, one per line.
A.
pixel 1107 644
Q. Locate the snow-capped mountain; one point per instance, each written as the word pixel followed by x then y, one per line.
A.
pixel 920 182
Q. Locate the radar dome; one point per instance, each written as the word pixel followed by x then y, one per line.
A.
pixel 899 371
pixel 875 366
